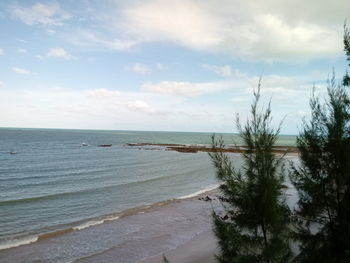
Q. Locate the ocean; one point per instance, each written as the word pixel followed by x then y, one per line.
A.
pixel 54 180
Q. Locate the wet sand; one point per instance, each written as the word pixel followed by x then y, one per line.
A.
pixel 183 234
pixel 201 249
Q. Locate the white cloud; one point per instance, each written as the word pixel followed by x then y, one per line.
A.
pixel 162 21
pixel 224 71
pixel 50 31
pixel 90 38
pixel 141 106
pixel 103 93
pixel 59 52
pixel 225 28
pixel 156 108
pixel 57 88
pixel 146 69
pixel 22 71
pixel 187 89
pixel 71 108
pixel 22 50
pixel 285 91
pixel 263 30
pixel 160 66
pixel 274 38
pixel 41 14
pixel 2 85
pixel 1 51
pixel 139 68
pixel 274 81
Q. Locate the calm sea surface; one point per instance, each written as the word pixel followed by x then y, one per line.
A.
pixel 50 182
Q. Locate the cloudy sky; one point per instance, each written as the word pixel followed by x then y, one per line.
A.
pixel 184 65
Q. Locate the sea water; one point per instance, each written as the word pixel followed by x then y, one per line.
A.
pixel 55 181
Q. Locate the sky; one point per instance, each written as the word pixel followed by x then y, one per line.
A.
pixel 184 65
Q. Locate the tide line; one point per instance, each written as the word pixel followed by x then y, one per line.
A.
pixel 209 188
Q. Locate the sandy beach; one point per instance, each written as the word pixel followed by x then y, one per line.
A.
pixel 200 249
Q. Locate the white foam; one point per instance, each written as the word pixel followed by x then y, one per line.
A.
pixel 209 188
pixel 18 242
pixel 88 224
pixel 111 218
pixel 31 239
pixel 95 222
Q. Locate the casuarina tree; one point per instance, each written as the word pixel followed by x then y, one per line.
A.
pixel 346 79
pixel 255 227
pixel 323 176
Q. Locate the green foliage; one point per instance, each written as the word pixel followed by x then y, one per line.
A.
pixel 323 177
pixel 257 225
pixel 346 79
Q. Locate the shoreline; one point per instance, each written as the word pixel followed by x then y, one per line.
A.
pixel 32 238
pixel 139 235
pixel 199 247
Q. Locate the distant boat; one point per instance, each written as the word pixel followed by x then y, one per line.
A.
pixel 105 145
pixel 84 144
pixel 12 152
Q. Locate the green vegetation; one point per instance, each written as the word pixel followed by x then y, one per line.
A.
pixel 255 229
pixel 323 177
pixel 346 79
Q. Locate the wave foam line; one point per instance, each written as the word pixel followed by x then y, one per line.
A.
pixel 209 188
pixel 88 224
pixel 32 239
pixel 18 242
pixel 95 222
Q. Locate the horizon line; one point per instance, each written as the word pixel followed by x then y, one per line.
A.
pixel 91 129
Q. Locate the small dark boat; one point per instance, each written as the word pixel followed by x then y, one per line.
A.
pixel 105 145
